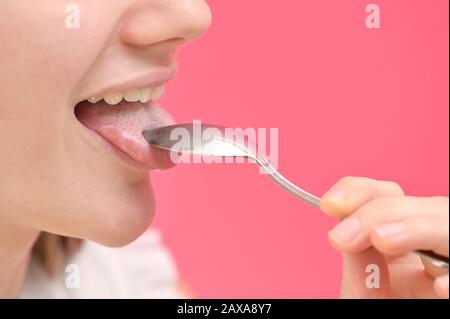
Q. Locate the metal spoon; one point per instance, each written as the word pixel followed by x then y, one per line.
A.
pixel 217 141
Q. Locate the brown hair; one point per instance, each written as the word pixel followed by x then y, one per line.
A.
pixel 51 251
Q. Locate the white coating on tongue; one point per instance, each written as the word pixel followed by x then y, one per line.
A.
pixel 126 120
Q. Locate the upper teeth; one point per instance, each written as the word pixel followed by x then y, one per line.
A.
pixel 142 95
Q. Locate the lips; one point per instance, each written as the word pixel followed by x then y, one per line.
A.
pixel 122 125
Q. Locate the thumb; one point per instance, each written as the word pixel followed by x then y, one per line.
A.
pixel 350 193
pixel 365 274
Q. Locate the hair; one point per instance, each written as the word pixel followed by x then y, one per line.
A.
pixel 52 250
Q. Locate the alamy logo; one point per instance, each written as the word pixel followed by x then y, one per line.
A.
pixel 243 144
pixel 373 279
pixel 373 17
pixel 73 276
pixel 73 16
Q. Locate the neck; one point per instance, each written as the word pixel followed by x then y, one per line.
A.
pixel 16 243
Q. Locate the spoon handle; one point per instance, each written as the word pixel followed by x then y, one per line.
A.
pixel 289 186
pixel 435 259
pixel 286 184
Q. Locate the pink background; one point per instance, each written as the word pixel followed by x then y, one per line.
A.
pixel 347 101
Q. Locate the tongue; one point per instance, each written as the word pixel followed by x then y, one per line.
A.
pixel 122 126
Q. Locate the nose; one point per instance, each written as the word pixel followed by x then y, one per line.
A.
pixel 153 21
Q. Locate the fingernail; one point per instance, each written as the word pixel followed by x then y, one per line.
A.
pixel 345 231
pixel 336 194
pixel 390 230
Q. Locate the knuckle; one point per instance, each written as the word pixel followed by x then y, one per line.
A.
pixel 353 180
pixel 357 184
pixel 384 244
pixel 346 180
pixel 395 188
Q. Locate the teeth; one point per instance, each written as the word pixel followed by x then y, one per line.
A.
pixel 146 95
pixel 157 92
pixel 143 95
pixel 94 99
pixel 113 98
pixel 132 96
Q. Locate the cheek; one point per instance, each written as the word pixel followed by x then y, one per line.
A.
pixel 42 55
pixel 41 64
pixel 44 171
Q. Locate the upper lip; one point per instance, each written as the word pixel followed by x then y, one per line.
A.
pixel 149 79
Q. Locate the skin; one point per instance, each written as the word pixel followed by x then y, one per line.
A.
pixel 53 176
pixel 383 227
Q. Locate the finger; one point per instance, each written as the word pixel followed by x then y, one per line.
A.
pixel 412 259
pixel 353 234
pixel 365 275
pixel 349 193
pixel 423 232
pixel 441 286
pixel 410 280
pixel 407 259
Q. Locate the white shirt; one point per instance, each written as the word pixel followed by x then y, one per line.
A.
pixel 143 269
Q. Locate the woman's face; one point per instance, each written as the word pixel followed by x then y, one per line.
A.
pixel 68 166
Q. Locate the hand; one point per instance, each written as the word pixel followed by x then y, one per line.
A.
pixel 382 227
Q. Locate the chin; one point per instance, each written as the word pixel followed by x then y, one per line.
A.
pixel 125 218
